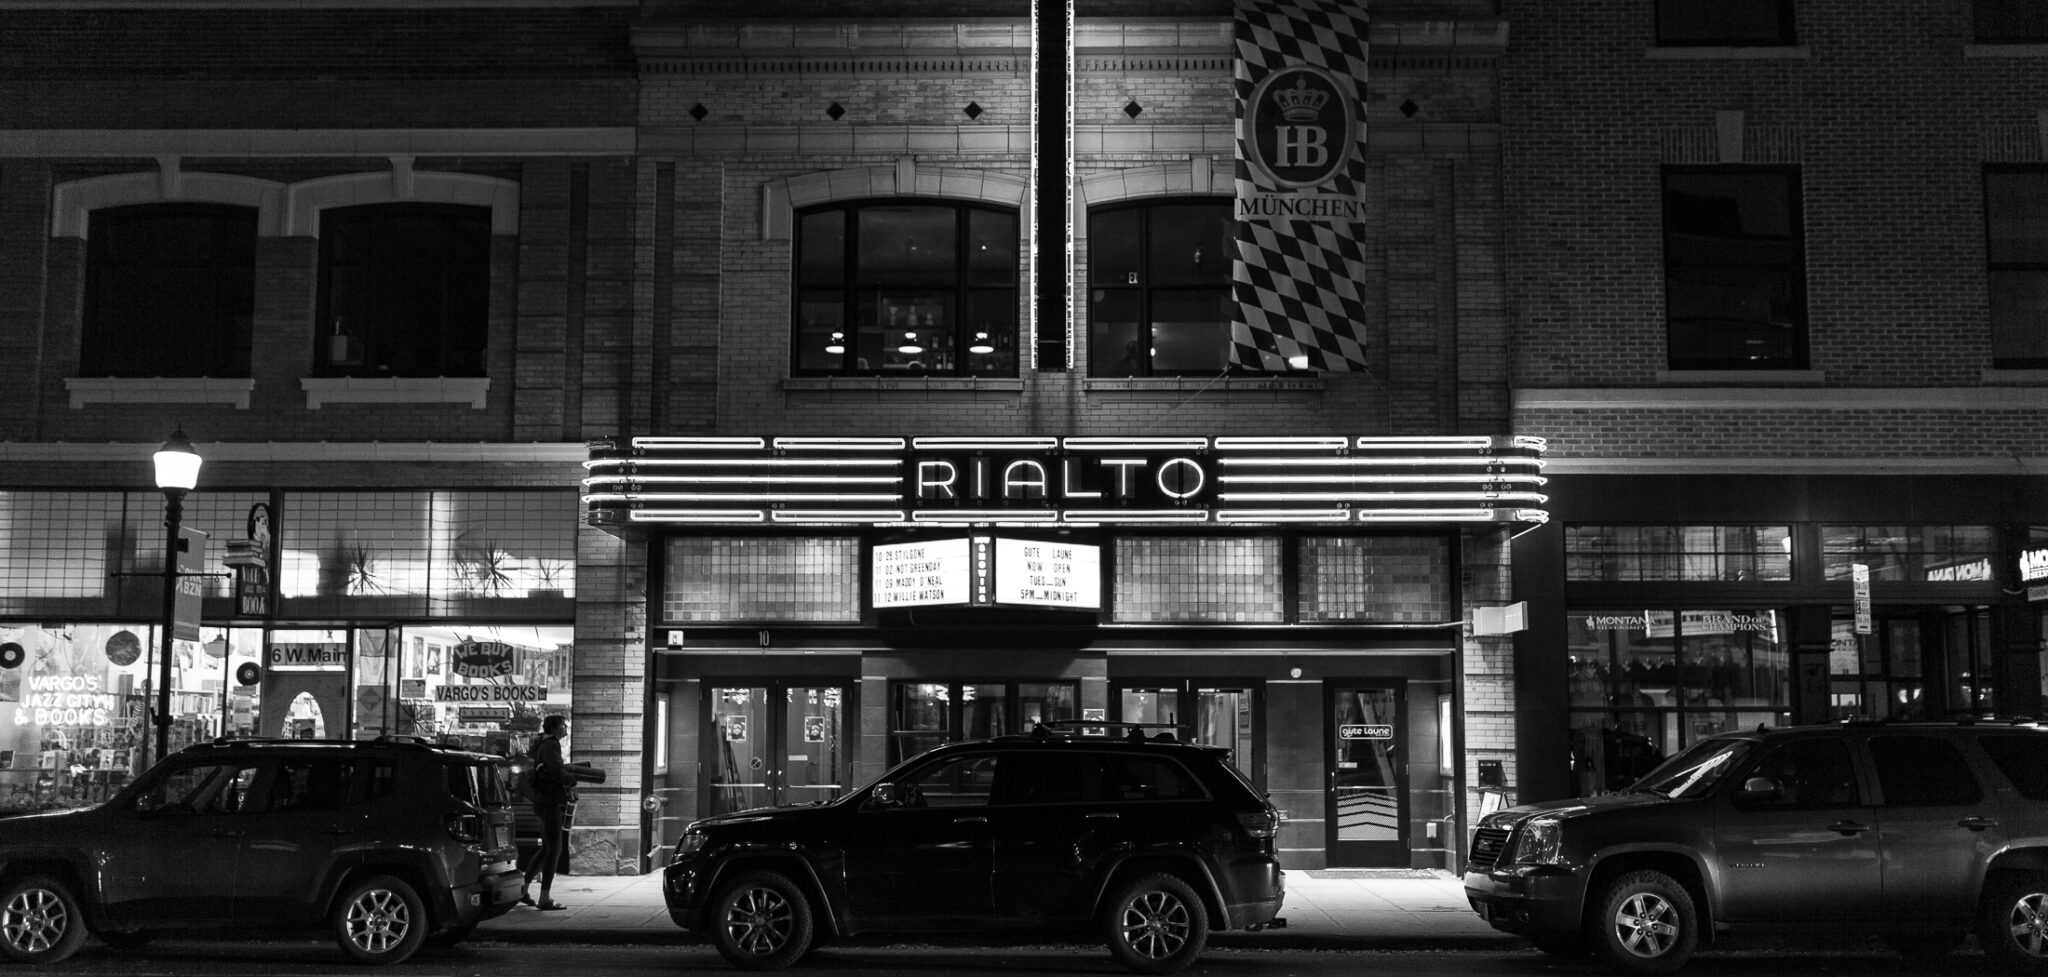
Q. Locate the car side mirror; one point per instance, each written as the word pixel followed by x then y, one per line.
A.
pixel 1758 790
pixel 886 795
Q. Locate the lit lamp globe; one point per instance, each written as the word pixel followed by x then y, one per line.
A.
pixel 177 465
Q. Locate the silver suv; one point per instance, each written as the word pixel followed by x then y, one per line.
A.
pixel 1918 833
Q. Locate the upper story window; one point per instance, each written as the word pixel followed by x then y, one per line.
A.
pixel 1159 294
pixel 1734 268
pixel 1914 554
pixel 169 291
pixel 2009 21
pixel 2016 228
pixel 1724 23
pixel 905 288
pixel 1703 553
pixel 404 291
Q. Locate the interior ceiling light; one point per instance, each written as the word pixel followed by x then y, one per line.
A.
pixel 981 344
pixel 837 345
pixel 910 346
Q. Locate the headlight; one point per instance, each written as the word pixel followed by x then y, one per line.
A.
pixel 690 842
pixel 1538 840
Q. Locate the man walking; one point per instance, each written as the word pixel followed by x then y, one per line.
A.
pixel 553 791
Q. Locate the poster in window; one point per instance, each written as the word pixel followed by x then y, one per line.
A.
pixel 735 728
pixel 814 729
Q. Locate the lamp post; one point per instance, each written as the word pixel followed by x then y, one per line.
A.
pixel 177 471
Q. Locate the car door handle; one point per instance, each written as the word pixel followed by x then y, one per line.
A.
pixel 1101 816
pixel 1977 823
pixel 1848 827
pixel 972 820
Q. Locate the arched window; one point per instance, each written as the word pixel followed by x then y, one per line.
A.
pixel 404 290
pixel 169 291
pixel 905 288
pixel 1159 296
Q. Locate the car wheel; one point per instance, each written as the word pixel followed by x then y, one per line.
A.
pixel 39 921
pixel 1646 924
pixel 2013 922
pixel 1923 947
pixel 127 939
pixel 1156 925
pixel 380 920
pixel 761 921
pixel 451 936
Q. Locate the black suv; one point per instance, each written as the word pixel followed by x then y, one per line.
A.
pixel 389 843
pixel 1148 842
pixel 1918 833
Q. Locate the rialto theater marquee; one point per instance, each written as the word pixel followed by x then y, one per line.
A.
pixel 653 481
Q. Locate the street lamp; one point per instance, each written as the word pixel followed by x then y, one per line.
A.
pixel 177 471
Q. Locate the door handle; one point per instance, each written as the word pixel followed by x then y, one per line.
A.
pixel 973 820
pixel 1101 816
pixel 1847 827
pixel 1977 823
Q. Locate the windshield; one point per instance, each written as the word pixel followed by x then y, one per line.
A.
pixel 1694 772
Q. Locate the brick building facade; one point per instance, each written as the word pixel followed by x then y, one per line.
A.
pixel 1885 407
pixel 635 184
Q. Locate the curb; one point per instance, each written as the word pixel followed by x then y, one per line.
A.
pixel 1272 940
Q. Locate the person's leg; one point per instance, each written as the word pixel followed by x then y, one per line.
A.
pixel 552 838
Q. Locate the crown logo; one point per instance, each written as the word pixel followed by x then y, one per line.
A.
pixel 1300 103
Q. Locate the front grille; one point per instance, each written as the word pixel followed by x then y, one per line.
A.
pixel 1487 846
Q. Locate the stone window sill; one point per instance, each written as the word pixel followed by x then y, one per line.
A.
pixel 321 391
pixel 160 390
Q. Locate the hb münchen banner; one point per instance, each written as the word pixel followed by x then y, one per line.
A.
pixel 1301 67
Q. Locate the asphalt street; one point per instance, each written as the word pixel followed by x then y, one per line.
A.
pixel 291 958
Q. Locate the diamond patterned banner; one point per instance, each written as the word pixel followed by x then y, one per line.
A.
pixel 1301 71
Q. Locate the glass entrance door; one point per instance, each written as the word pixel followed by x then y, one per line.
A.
pixel 774 744
pixel 1367 797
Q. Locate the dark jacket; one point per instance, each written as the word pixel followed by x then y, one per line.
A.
pixel 552 782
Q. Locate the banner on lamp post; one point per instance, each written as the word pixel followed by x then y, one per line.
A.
pixel 190 583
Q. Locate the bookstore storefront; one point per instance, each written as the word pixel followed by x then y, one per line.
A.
pixel 444 615
pixel 823 609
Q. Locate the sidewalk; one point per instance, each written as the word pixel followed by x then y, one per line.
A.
pixel 1348 909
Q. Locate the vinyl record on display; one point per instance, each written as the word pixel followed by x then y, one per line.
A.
pixel 123 648
pixel 12 655
pixel 249 673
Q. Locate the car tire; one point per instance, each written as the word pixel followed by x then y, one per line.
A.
pixel 761 921
pixel 1923 947
pixel 2012 923
pixel 380 920
pixel 40 921
pixel 1645 923
pixel 128 941
pixel 1155 925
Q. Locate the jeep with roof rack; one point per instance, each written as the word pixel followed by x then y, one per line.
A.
pixel 389 843
pixel 1142 840
pixel 1919 833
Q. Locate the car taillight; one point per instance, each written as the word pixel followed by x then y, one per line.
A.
pixel 465 828
pixel 1260 824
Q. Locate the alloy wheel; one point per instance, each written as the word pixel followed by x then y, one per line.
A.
pixel 34 921
pixel 1155 924
pixel 2028 923
pixel 1646 925
pixel 760 921
pixel 378 921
